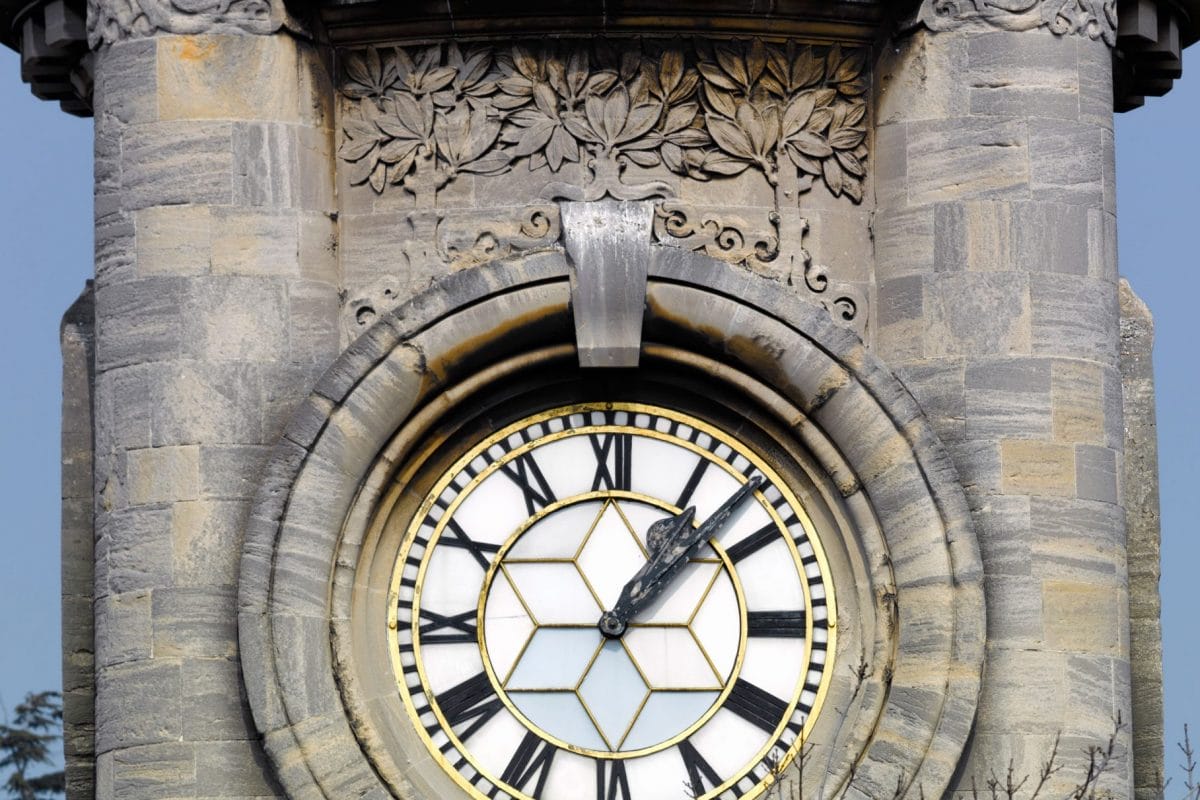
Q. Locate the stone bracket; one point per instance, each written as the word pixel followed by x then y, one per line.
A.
pixel 608 244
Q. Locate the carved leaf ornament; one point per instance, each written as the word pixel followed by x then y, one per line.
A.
pixel 422 115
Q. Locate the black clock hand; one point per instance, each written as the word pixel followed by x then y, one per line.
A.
pixel 671 542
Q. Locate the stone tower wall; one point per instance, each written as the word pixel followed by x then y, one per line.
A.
pixel 238 253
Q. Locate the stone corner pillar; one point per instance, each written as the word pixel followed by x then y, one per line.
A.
pixel 997 291
pixel 216 308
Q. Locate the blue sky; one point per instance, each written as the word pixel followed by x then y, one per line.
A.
pixel 45 225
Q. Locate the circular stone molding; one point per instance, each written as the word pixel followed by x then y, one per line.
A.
pixel 317 557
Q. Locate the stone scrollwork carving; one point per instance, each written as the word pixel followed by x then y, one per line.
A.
pixel 109 21
pixel 1096 19
pixel 622 120
pixel 774 249
pixel 466 242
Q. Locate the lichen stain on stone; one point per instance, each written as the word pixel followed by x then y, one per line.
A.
pixel 194 48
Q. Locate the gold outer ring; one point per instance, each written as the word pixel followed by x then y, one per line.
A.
pixel 632 408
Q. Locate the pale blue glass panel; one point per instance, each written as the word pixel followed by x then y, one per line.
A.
pixel 555 659
pixel 613 691
pixel 560 715
pixel 667 714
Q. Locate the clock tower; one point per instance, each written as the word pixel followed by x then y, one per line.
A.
pixel 640 401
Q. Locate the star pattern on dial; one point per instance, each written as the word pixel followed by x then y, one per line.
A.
pixel 613 695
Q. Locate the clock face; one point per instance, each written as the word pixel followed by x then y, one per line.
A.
pixel 710 683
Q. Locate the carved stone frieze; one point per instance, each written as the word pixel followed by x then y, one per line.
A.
pixel 110 21
pixel 1096 19
pixel 439 242
pixel 773 248
pixel 626 119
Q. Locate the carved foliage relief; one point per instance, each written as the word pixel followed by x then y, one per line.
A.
pixel 631 115
pixel 1096 19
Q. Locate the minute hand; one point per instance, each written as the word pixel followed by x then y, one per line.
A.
pixel 671 541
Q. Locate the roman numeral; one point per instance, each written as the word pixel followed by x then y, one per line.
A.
pixel 614 460
pixel 474 700
pixel 532 759
pixel 756 706
pixel 525 473
pixel 698 769
pixel 752 543
pixel 459 628
pixel 458 538
pixel 776 624
pixel 611 781
pixel 693 481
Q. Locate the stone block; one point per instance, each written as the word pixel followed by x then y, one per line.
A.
pixel 1014 605
pixel 974 158
pixel 1008 398
pixel 923 79
pixel 124 407
pixel 231 472
pixel 236 319
pixel 1025 693
pixel 163 474
pixel 123 717
pixel 266 167
pixel 1017 74
pixel 106 166
pixel 125 89
pixel 195 622
pixel 939 388
pixel 1092 705
pixel 228 77
pixel 970 314
pixel 979 464
pixel 1095 83
pixel 1075 317
pixel 1037 468
pixel 1050 238
pixel 1066 162
pixel 318 243
pixel 1003 526
pixel 891 165
pixel 973 235
pixel 138 321
pixel 1081 618
pixel 173 240
pixel 156 772
pixel 123 628
pixel 255 243
pixel 1096 473
pixel 313 311
pixel 195 401
pixel 904 241
pixel 214 704
pixel 1077 540
pixel 1077 393
pixel 115 247
pixel 136 550
pixel 237 769
pixel 1102 245
pixel 206 539
pixel 171 163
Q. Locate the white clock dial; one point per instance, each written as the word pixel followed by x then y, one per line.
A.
pixel 709 686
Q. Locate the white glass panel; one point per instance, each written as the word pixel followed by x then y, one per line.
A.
pixel 555 593
pixel 660 469
pixel 667 714
pixel 670 658
pixel 493 745
pixel 728 742
pixel 560 715
pixel 611 556
pixel 568 465
pixel 568 774
pixel 658 775
pixel 752 518
pixel 613 691
pixel 715 488
pixel 718 625
pixel 558 534
pixel 682 597
pixel 769 578
pixel 448 665
pixel 452 581
pixel 641 516
pixel 774 664
pixel 555 659
pixel 493 511
pixel 506 625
